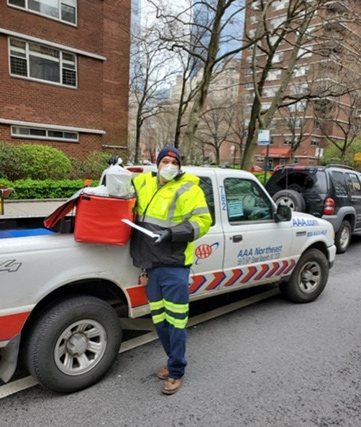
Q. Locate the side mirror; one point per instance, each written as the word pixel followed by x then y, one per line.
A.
pixel 284 213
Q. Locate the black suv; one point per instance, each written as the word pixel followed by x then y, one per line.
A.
pixel 331 192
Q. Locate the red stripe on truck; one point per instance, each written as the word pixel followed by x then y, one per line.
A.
pixel 12 325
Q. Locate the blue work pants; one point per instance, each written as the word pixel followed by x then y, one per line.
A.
pixel 168 296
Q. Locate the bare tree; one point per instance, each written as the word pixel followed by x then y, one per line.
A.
pixel 198 31
pixel 303 33
pixel 148 82
pixel 214 128
pixel 346 116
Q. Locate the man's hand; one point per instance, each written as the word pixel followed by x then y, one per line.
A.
pixel 164 236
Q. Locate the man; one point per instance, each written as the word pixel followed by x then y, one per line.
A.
pixel 172 205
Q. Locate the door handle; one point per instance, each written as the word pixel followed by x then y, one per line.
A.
pixel 237 238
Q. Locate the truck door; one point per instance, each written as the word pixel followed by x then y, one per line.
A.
pixel 257 249
pixel 207 267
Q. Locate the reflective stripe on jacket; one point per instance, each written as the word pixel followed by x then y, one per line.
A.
pixel 179 205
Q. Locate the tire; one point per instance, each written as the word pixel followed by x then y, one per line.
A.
pixel 73 344
pixel 290 198
pixel 308 279
pixel 343 237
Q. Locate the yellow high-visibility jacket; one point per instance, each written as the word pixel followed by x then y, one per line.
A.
pixel 179 205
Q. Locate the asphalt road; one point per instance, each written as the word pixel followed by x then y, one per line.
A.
pixel 268 364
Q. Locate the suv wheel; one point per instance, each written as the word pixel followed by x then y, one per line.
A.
pixel 290 198
pixel 343 237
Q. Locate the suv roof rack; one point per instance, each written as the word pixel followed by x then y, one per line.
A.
pixel 335 165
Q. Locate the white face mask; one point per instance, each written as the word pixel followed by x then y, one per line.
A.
pixel 168 172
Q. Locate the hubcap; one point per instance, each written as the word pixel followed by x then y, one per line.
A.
pixel 310 277
pixel 345 237
pixel 80 347
pixel 285 201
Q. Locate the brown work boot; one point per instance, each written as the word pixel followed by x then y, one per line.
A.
pixel 163 373
pixel 171 385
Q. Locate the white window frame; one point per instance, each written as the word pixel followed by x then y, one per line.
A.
pixel 62 64
pixel 46 137
pixel 60 3
pixel 280 4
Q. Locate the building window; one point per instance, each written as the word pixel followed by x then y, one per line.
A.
pixel 297 107
pixel 252 34
pixel 292 140
pixel 274 74
pixel 276 39
pixel 305 52
pixel 41 62
pixel 278 57
pixel 42 133
pixel 298 89
pixel 315 141
pixel 294 123
pixel 62 10
pixel 301 70
pixel 254 19
pixel 277 22
pixel 280 4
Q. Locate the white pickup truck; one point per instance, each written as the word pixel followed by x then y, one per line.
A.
pixel 59 297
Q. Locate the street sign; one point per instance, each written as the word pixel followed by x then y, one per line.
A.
pixel 357 157
pixel 264 137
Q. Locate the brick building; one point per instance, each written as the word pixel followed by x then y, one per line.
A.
pixel 64 71
pixel 327 65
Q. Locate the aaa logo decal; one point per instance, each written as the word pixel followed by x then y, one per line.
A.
pixel 205 251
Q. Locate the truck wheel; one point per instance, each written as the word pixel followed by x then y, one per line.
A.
pixel 290 198
pixel 343 237
pixel 308 279
pixel 73 344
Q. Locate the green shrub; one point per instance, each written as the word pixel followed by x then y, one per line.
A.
pixel 260 177
pixel 94 164
pixel 44 189
pixel 43 162
pixel 11 166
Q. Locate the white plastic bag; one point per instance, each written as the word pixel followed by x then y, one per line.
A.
pixel 101 190
pixel 119 181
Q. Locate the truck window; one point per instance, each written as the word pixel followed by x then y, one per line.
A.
pixel 246 201
pixel 206 186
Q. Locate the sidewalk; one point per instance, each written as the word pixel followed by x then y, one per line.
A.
pixel 16 208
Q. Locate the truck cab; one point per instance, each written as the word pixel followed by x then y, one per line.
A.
pixel 60 297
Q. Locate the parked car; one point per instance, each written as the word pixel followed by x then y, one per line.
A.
pixel 331 192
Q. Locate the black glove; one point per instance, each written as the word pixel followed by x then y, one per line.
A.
pixel 164 236
pixel 113 160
